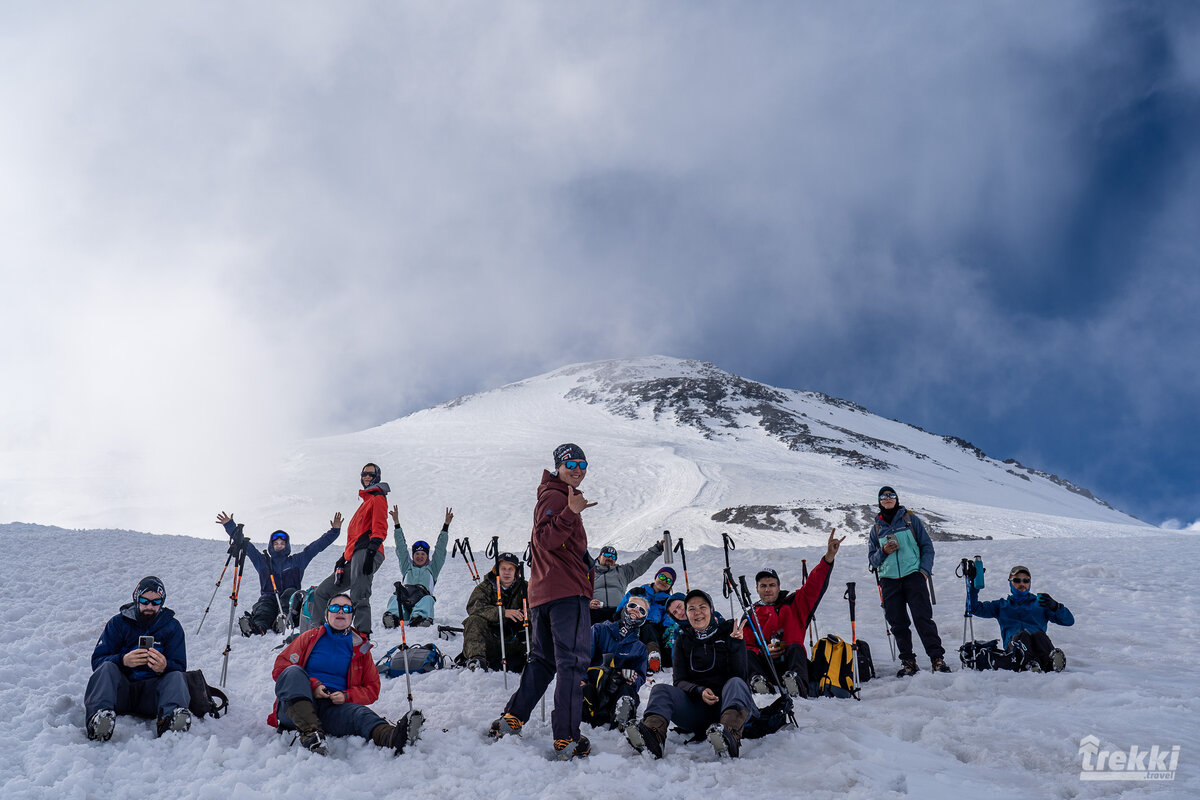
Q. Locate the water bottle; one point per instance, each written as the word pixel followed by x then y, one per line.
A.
pixel 978 582
pixel 668 550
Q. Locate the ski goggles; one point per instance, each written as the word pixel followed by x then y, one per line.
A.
pixel 278 535
pixel 420 545
pixel 664 577
pixel 146 601
pixel 344 608
pixel 575 464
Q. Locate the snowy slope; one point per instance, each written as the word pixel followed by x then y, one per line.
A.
pixel 1130 680
pixel 677 445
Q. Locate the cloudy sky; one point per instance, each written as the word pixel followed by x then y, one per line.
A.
pixel 230 226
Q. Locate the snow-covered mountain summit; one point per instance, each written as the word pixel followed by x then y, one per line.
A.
pixel 680 445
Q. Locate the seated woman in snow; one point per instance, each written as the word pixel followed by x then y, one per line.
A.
pixel 710 693
pixel 1023 616
pixel 324 681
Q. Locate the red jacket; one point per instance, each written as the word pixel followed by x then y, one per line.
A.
pixel 560 566
pixel 369 521
pixel 362 681
pixel 788 616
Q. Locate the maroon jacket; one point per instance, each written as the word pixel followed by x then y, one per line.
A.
pixel 560 566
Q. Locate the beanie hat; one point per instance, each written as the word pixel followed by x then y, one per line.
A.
pixel 149 584
pixel 883 489
pixel 420 544
pixel 698 593
pixel 568 452
pixel 666 571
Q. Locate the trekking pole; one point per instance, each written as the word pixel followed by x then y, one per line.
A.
pixel 963 573
pixel 528 650
pixel 728 587
pixel 500 614
pixel 886 628
pixel 275 586
pixel 932 593
pixel 812 618
pixel 683 558
pixel 493 550
pixel 216 588
pixel 849 595
pixel 463 546
pixel 752 619
pixel 407 677
pixel 239 568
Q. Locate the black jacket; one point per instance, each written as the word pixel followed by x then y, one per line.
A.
pixel 701 664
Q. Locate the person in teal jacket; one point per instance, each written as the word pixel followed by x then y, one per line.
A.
pixel 900 549
pixel 1023 617
pixel 418 570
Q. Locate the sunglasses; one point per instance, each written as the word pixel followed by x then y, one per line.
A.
pixel 636 610
pixel 1020 580
pixel 366 474
pixel 575 464
pixel 887 496
pixel 664 578
pixel 345 608
pixel 145 601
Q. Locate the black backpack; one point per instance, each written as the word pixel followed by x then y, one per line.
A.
pixel 599 691
pixel 769 719
pixel 409 596
pixel 204 699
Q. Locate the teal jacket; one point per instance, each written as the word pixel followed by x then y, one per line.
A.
pixel 419 576
pixel 916 548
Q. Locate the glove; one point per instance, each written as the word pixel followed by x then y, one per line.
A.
pixel 971 570
pixel 372 551
pixel 1049 603
pixel 630 675
pixel 658 547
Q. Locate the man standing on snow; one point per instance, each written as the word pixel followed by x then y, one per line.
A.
pixel 560 591
pixel 901 550
pixel 280 574
pixel 364 551
pixel 138 666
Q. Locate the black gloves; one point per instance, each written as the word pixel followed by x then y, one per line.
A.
pixel 970 570
pixel 1049 603
pixel 372 551
pixel 658 547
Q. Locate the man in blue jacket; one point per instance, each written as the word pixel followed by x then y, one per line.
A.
pixel 138 666
pixel 617 648
pixel 287 570
pixel 902 552
pixel 1023 617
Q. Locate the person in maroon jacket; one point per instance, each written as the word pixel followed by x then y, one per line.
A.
pixel 363 554
pixel 783 617
pixel 560 591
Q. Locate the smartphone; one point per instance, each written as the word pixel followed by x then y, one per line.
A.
pixel 146 642
pixel 891 537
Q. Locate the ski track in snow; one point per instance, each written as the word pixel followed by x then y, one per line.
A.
pixel 1131 680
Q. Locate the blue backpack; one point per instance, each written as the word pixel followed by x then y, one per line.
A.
pixel 419 658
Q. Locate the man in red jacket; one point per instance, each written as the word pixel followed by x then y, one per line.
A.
pixel 783 617
pixel 363 553
pixel 324 681
pixel 560 592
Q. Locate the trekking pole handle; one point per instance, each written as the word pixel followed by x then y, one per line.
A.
pixel 745 591
pixel 851 596
pixel 803 571
pixel 528 555
pixel 492 550
pixel 727 583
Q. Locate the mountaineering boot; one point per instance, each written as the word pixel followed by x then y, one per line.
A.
pixel 404 732
pixel 908 666
pixel 476 663
pixel 420 622
pixel 280 624
pixel 939 665
pixel 726 735
pixel 100 727
pixel 504 726
pixel 623 712
pixel 314 742
pixel 305 718
pixel 179 721
pixel 245 626
pixel 649 734
pixel 791 684
pixel 566 749
pixel 1058 660
pixel 759 685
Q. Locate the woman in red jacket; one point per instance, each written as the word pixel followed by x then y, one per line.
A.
pixel 324 681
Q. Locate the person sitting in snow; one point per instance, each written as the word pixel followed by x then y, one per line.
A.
pixel 324 681
pixel 675 617
pixel 1023 617
pixel 783 617
pixel 618 668
pixel 657 593
pixel 709 687
pixel 481 628
pixel 280 574
pixel 419 573
pixel 611 580
pixel 138 666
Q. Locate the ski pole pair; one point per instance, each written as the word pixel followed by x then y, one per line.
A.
pixel 463 546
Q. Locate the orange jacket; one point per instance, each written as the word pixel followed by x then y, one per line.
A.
pixel 362 682
pixel 369 522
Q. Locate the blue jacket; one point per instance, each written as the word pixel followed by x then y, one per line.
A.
pixel 916 548
pixel 121 636
pixel 657 600
pixel 288 569
pixel 1018 612
pixel 628 652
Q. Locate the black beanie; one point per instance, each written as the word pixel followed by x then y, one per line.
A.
pixel 149 584
pixel 568 452
pixel 698 593
pixel 883 489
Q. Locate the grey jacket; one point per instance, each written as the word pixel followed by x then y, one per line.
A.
pixel 609 583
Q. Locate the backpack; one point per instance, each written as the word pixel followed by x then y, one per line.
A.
pixel 769 719
pixel 599 691
pixel 830 670
pixel 980 655
pixel 866 664
pixel 301 606
pixel 409 596
pixel 204 699
pixel 419 658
